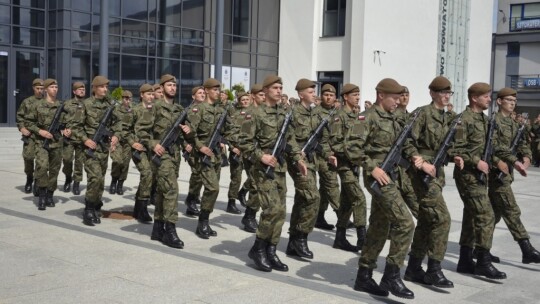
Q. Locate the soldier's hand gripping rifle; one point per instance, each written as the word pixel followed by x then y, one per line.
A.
pixel 171 138
pixel 441 158
pixel 394 158
pixel 280 146
pixel 55 127
pixel 215 141
pixel 488 148
pixel 514 146
pixel 312 144
pixel 103 134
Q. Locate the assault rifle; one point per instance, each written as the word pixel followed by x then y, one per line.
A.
pixel 215 140
pixel 488 148
pixel 280 146
pixel 103 134
pixel 171 138
pixel 514 145
pixel 394 158
pixel 312 144
pixel 55 127
pixel 441 158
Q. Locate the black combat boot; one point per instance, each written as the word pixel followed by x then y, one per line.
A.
pixel 89 214
pixel 341 241
pixel 231 207
pixel 67 184
pixel 364 282
pixel 275 262
pixel 50 200
pixel 361 237
pixel 120 187
pixel 258 254
pixel 530 255
pixel 203 228
pixel 35 189
pixel 97 212
pixel 242 196
pixel 434 275
pixel 112 187
pixel 157 231
pixel 76 190
pixel 42 202
pixel 28 185
pixel 391 281
pixel 170 237
pixel 298 246
pixel 321 222
pixel 140 211
pixel 494 259
pixel 249 221
pixel 192 209
pixel 465 263
pixel 485 268
pixel 415 272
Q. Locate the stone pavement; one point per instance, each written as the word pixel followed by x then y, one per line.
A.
pixel 51 257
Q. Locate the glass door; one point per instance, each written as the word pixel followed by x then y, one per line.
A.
pixel 4 86
pixel 28 65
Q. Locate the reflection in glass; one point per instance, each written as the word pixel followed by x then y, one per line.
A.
pixel 192 75
pixel 240 59
pixel 168 50
pixel 28 37
pixel 80 21
pixel 114 26
pixel 52 20
pixel 193 14
pixel 268 48
pixel 133 70
pixel 5 14
pixel 170 34
pixel 28 68
pixel 194 53
pixel 114 70
pixel 3 87
pixel 114 43
pixel 168 66
pixel 192 37
pixel 169 12
pixel 80 66
pixel 30 3
pixel 265 62
pixel 134 46
pixel 135 9
pixel 80 40
pixel 5 36
pixel 134 28
pixel 28 17
pixel 51 68
pixel 268 20
pixel 81 5
pixel 114 7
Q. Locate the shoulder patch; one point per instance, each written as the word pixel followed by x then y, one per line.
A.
pixel 248 116
pixel 361 117
pixel 195 110
pixel 242 113
pixel 336 118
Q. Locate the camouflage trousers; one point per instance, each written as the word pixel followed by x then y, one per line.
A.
pixel 250 185
pixel 328 186
pixel 236 169
pixel 505 206
pixel 390 217
pixel 73 161
pixel 478 217
pixel 271 196
pixel 407 190
pixel 167 188
pixel 95 169
pixel 29 154
pixel 48 165
pixel 195 182
pixel 121 157
pixel 146 176
pixel 352 198
pixel 210 180
pixel 433 225
pixel 306 201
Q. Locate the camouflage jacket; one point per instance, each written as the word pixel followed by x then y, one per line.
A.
pixel 429 130
pixel 345 131
pixel 504 135
pixel 41 116
pixel 24 109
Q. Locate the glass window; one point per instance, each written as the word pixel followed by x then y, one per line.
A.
pixel 81 40
pixel 114 43
pixel 114 70
pixel 63 19
pixel 334 18
pixel 134 46
pixel 51 70
pixel 5 34
pixel 52 20
pixel 4 60
pixel 152 71
pixel 135 9
pixel 52 38
pixel 192 37
pixel 194 53
pixel 133 70
pixel 81 21
pixel 63 38
pixel 81 5
pixel 151 48
pixel 134 28
pixel 5 14
pixel 240 59
pixel 240 20
pixel 80 65
pixel 170 34
pixel 268 48
pixel 513 49
pixel 169 12
pixel 531 10
pixel 192 75
pixel 241 45
pixel 28 17
pixel 152 10
pixel 268 20
pixel 28 37
pixel 265 62
pixel 168 50
pixel 114 8
pixel 30 3
pixel 193 14
pixel 114 26
pixel 167 66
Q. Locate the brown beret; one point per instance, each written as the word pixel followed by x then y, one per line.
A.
pixel 506 92
pixel 146 88
pixel 126 93
pixel 100 80
pixel 77 85
pixel 440 83
pixel 479 88
pixel 349 88
pixel 195 89
pixel 304 84
pixel 48 82
pixel 328 88
pixel 211 83
pixel 256 88
pixel 37 82
pixel 270 80
pixel 240 95
pixel 404 89
pixel 166 78
pixel 156 86
pixel 389 86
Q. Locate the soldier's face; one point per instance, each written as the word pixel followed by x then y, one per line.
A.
pixel 388 101
pixel 259 97
pixel 38 91
pixel 52 91
pixel 328 99
pixel 404 99
pixel 352 99
pixel 441 100
pixel 273 92
pixel 482 101
pixel 244 101
pixel 158 94
pixel 307 95
pixel 101 91
pixel 80 92
pixel 147 97
pixel 223 96
pixel 199 96
pixel 507 104
pixel 212 93
pixel 126 100
pixel 169 89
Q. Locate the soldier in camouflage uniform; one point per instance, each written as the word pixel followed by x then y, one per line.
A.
pixel 500 191
pixel 478 217
pixel 85 125
pixel 345 129
pixel 450 112
pixel 48 160
pixel 29 150
pixel 389 215
pixel 433 225
pixel 121 156
pixel 258 137
pixel 535 145
pixel 73 152
pixel 158 92
pixel 328 182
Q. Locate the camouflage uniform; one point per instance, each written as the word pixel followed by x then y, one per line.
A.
pixel 328 182
pixel 121 156
pixel 73 152
pixel 143 119
pixel 251 186
pixel 29 150
pixel 235 117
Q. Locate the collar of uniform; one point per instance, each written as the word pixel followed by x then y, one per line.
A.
pixel 381 112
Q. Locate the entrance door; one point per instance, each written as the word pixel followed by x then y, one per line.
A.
pixel 4 86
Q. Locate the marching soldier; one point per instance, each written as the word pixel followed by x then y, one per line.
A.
pixel 121 156
pixel 158 91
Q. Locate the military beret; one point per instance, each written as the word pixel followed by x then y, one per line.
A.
pixel 37 82
pixel 328 88
pixel 240 95
pixel 77 85
pixel 349 88
pixel 256 88
pixel 211 83
pixel 440 83
pixel 48 82
pixel 479 88
pixel 270 80
pixel 100 80
pixel 146 88
pixel 166 78
pixel 404 89
pixel 304 83
pixel 126 93
pixel 389 86
pixel 195 89
pixel 506 92
pixel 156 86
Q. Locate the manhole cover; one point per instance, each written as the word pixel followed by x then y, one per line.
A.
pixel 117 214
